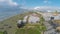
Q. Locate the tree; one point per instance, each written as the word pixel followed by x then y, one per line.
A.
pixel 42 28
pixel 42 20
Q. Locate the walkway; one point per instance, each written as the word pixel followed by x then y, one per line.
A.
pixel 50 29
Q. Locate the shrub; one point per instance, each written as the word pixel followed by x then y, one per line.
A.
pixel 5 32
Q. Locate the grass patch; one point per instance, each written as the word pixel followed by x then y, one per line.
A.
pixel 28 31
pixel 1 32
pixel 31 29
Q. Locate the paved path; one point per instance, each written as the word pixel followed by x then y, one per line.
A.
pixel 50 29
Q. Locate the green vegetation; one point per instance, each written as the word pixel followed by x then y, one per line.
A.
pixel 10 25
pixel 1 32
pixel 5 32
pixel 28 31
pixel 42 20
pixel 31 29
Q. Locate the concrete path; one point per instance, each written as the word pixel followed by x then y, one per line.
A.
pixel 50 29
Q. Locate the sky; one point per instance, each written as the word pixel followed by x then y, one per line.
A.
pixel 16 4
pixel 33 3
